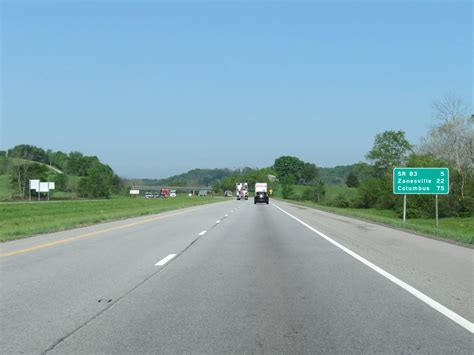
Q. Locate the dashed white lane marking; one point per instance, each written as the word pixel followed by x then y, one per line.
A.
pixel 202 233
pixel 165 260
pixel 218 221
pixel 421 296
pixel 226 215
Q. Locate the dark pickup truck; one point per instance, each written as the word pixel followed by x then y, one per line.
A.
pixel 260 197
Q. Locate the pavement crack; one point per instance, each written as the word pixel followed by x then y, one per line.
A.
pixel 110 303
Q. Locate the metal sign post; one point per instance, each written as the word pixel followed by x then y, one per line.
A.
pixel 404 208
pixel 436 210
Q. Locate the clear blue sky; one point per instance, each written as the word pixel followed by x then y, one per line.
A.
pixel 156 88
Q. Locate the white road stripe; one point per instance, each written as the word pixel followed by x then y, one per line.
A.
pixel 165 260
pixel 218 221
pixel 202 233
pixel 226 215
pixel 421 296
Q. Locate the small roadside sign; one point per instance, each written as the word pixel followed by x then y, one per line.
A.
pixel 421 181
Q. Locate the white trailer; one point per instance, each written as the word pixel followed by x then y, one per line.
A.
pixel 242 191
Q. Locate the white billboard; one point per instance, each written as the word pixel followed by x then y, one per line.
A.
pixel 44 187
pixel 134 192
pixel 34 185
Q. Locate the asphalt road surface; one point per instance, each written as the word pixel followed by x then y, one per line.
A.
pixel 235 277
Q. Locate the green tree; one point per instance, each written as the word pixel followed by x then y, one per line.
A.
pixel 288 169
pixel 60 181
pixel 308 173
pixel 22 172
pixel 453 138
pixel 58 159
pixel 352 180
pixel 98 182
pixel 29 152
pixel 75 164
pixel 390 149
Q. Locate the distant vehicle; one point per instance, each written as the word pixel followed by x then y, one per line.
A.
pixel 165 193
pixel 261 194
pixel 173 193
pixel 148 195
pixel 242 191
pixel 156 195
pixel 227 193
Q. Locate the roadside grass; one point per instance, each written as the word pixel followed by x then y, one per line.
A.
pixel 331 191
pixel 64 195
pixel 5 191
pixel 24 219
pixel 453 228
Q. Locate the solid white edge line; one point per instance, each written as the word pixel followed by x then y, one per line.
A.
pixel 165 260
pixel 202 233
pixel 418 294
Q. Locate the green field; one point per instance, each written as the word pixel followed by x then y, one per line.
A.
pixel 23 219
pixel 453 228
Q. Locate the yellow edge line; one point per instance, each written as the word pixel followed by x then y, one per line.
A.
pixel 91 234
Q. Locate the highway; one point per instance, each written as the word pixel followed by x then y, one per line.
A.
pixel 234 277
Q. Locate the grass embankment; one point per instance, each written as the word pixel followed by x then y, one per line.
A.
pixel 19 220
pixel 453 228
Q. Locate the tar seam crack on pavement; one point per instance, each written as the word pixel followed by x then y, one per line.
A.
pixel 111 304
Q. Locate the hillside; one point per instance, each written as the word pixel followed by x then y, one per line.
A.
pixel 202 177
pixel 205 177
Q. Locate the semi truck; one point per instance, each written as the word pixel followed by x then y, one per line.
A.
pixel 242 191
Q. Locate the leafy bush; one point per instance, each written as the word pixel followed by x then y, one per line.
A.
pixel 466 207
pixel 314 193
pixel 340 201
pixel 368 193
pixel 287 192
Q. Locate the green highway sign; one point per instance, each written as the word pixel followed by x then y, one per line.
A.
pixel 420 181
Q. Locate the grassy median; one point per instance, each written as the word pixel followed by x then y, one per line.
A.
pixel 453 228
pixel 23 219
